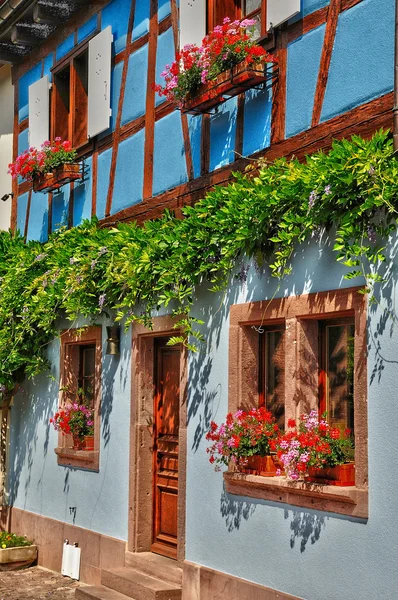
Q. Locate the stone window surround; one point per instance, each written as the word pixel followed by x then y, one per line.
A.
pixel 301 315
pixel 84 459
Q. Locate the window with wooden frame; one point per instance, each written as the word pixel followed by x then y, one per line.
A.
pixel 79 106
pixel 272 371
pixel 297 354
pixel 336 373
pixel 80 371
pixel 69 102
pixel 237 9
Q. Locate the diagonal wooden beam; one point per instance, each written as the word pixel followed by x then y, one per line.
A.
pixel 326 56
pixel 116 135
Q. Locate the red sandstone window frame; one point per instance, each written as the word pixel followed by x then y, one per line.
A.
pixel 72 340
pixel 301 316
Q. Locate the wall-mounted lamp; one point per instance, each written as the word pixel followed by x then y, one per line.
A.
pixel 113 341
pixel 6 196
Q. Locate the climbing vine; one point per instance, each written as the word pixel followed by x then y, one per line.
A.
pixel 129 270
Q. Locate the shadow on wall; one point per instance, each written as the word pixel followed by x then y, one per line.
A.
pixel 233 510
pixel 305 526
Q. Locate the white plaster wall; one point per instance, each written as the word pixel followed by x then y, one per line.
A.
pixel 6 129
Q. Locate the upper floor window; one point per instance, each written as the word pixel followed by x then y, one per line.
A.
pixel 78 106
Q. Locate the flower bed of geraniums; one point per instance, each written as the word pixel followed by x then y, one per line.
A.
pixel 49 168
pixel 317 452
pixel 246 439
pixel 76 420
pixel 16 551
pixel 228 62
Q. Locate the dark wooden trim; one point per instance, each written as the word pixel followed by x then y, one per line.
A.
pixel 205 145
pixel 240 122
pixel 27 214
pixel 279 91
pixel 330 34
pixel 347 4
pixel 116 134
pixel 363 120
pixel 150 102
pixel 23 125
pixel 94 177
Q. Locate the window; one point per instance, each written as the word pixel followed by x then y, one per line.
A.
pixel 70 101
pixel 336 377
pixel 272 372
pixel 80 370
pixel 294 355
pixel 80 97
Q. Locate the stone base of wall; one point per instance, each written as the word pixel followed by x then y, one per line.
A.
pixel 202 583
pixel 98 551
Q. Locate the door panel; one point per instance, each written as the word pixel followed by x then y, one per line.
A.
pixel 166 429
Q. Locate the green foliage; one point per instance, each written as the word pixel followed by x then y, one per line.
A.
pixel 134 270
pixel 10 540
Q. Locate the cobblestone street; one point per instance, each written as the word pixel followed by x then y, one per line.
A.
pixel 35 583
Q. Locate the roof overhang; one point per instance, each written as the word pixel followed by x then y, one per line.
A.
pixel 25 24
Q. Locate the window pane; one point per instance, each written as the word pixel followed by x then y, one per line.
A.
pixel 340 375
pixel 87 373
pixel 249 6
pixel 274 374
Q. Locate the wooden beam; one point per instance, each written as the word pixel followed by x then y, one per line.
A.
pixel 326 56
pixel 7 55
pixel 47 15
pixel 24 36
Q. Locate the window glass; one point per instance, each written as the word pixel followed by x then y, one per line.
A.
pixel 272 375
pixel 338 367
pixel 87 374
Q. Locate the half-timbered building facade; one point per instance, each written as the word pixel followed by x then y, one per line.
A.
pixel 153 520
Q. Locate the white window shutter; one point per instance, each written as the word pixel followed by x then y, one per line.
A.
pixel 192 22
pixel 39 112
pixel 279 11
pixel 99 82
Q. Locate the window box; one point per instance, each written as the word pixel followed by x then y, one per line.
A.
pixel 260 465
pixel 49 182
pixel 240 78
pixel 341 475
pixel 87 443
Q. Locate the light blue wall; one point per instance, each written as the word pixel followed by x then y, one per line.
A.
pixel 38 218
pixel 129 177
pixel 39 485
pixel 362 65
pixel 223 134
pixel 304 56
pixel 309 554
pixel 82 196
pixel 169 168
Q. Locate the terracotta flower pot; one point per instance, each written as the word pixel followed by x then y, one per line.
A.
pixel 260 465
pixel 341 475
pixel 241 77
pixel 88 442
pixel 48 182
pixel 78 443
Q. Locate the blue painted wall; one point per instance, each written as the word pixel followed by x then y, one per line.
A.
pixel 309 554
pixel 37 484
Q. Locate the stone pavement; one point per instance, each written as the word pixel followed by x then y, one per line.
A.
pixel 36 584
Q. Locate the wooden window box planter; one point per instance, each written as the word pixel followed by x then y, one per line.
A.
pixel 240 78
pixel 260 465
pixel 83 444
pixel 49 182
pixel 18 557
pixel 341 475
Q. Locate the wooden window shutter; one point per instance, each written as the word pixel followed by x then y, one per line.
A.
pixel 39 112
pixel 279 11
pixel 219 9
pixel 192 22
pixel 99 82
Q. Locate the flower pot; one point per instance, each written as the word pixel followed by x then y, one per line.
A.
pixel 78 443
pixel 88 442
pixel 341 475
pixel 260 465
pixel 48 182
pixel 241 77
pixel 18 557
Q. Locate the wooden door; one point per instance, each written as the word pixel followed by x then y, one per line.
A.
pixel 166 428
